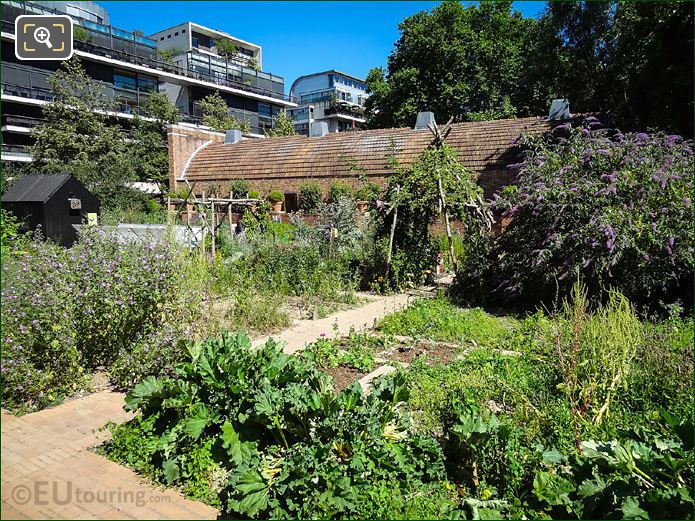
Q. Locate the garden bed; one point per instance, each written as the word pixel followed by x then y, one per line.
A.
pixel 432 351
pixel 344 376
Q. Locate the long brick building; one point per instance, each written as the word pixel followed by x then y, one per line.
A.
pixel 284 163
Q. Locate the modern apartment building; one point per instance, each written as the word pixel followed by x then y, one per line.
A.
pixel 331 96
pixel 130 66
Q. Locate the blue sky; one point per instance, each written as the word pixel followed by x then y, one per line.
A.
pixel 297 37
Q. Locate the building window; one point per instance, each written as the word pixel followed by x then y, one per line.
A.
pixel 264 109
pixel 124 80
pixel 168 36
pixel 161 39
pixel 176 33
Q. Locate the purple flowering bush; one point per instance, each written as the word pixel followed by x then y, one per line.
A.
pixel 100 303
pixel 40 360
pixel 610 208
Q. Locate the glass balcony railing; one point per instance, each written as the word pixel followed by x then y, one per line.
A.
pixel 16 150
pixel 127 47
pixel 28 82
pixel 20 121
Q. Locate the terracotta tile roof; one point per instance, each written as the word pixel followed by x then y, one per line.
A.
pixel 484 147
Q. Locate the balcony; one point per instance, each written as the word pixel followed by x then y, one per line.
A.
pixel 19 153
pixel 27 82
pixel 109 42
pixel 17 124
pixel 345 109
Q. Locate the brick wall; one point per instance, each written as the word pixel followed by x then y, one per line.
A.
pixel 183 142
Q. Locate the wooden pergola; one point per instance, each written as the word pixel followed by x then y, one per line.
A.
pixel 207 209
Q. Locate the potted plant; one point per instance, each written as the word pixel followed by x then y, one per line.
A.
pixel 365 195
pixel 253 194
pixel 276 198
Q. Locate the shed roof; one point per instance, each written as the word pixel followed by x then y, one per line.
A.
pixel 485 147
pixel 35 188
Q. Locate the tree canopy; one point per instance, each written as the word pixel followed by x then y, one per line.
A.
pixel 216 115
pixel 78 136
pixel 453 61
pixel 631 60
pixel 282 126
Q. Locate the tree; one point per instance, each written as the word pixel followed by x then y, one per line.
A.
pixel 168 55
pixel 633 60
pixel 216 115
pixel 455 61
pixel 227 50
pixel 149 138
pixel 78 136
pixel 282 126
pixel 653 57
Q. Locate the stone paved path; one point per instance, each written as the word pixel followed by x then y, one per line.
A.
pixel 49 470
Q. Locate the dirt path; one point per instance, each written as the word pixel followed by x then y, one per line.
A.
pixel 49 470
pixel 363 317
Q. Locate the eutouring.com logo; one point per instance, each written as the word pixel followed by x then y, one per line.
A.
pixel 66 493
pixel 43 37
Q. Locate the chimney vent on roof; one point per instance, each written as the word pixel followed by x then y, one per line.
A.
pixel 423 120
pixel 318 129
pixel 559 110
pixel 232 136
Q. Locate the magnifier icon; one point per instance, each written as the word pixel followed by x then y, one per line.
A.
pixel 43 35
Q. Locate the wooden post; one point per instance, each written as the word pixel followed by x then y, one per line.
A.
pixel 213 228
pixel 445 210
pixel 229 216
pixel 393 232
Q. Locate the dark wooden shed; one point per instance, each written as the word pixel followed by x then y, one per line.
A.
pixel 55 202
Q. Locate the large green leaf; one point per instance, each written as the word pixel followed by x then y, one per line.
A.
pixel 194 424
pixel 231 442
pixel 254 494
pixel 171 470
pixel 142 392
pixel 632 510
pixel 239 451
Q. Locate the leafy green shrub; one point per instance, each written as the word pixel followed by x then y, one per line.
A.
pixel 614 209
pixel 269 426
pixel 310 195
pixel 41 362
pixel 662 372
pixel 69 311
pixel 11 230
pixel 253 194
pixel 595 352
pixel 239 188
pixel 275 196
pixel 339 190
pixel 646 475
pixel 368 192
